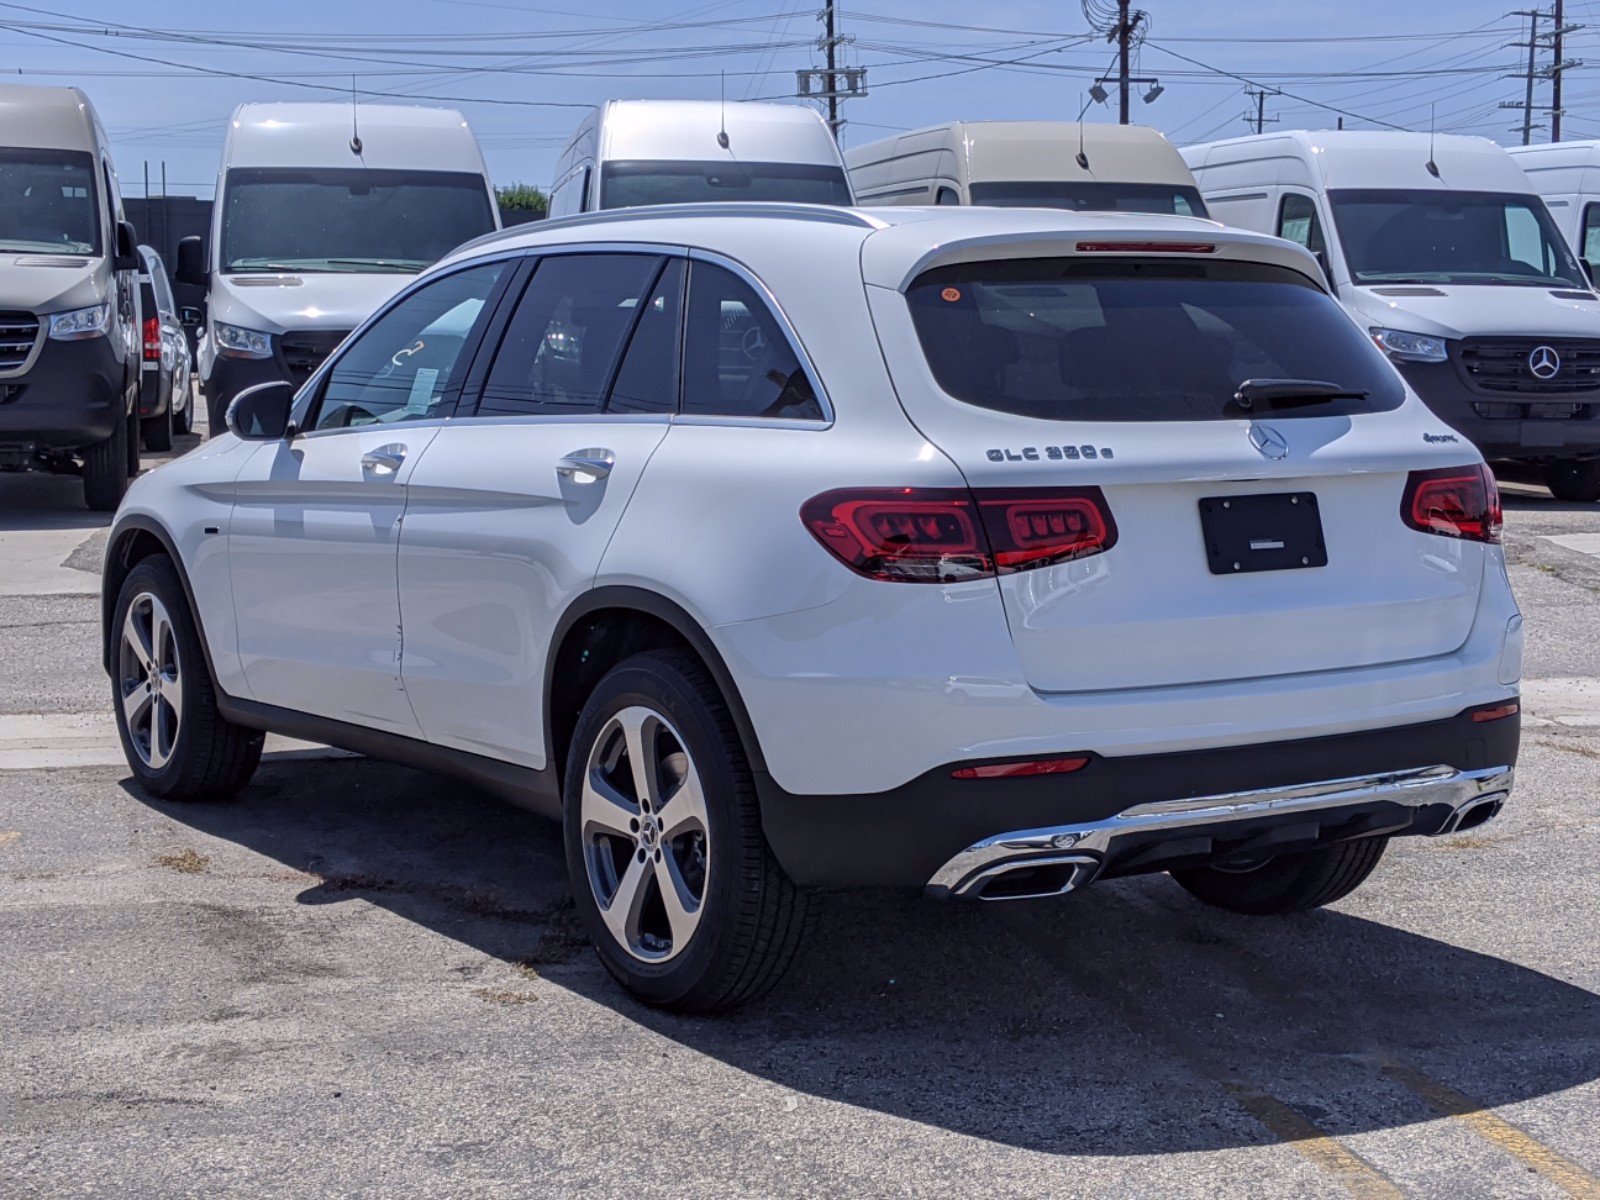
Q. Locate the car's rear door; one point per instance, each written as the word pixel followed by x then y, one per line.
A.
pixel 513 504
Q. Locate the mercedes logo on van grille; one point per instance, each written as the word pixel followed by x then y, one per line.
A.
pixel 1268 441
pixel 1544 362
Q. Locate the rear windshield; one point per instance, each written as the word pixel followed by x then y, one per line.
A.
pixel 626 184
pixel 1092 197
pixel 1139 340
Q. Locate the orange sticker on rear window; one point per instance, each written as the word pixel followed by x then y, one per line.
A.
pixel 951 294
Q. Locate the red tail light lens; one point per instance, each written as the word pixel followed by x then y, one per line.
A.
pixel 1019 770
pixel 1147 247
pixel 944 535
pixel 1458 502
pixel 152 339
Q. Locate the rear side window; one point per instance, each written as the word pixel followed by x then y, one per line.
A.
pixel 647 381
pixel 737 360
pixel 1591 233
pixel 1138 340
pixel 1297 221
pixel 562 343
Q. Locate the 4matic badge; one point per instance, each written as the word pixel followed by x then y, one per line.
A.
pixel 1052 453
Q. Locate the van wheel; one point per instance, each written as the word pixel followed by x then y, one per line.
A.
pixel 157 431
pixel 183 421
pixel 105 470
pixel 216 415
pixel 176 742
pixel 1287 883
pixel 670 870
pixel 1574 482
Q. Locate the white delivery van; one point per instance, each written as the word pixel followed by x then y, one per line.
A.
pixel 1027 164
pixel 1442 251
pixel 631 152
pixel 1567 175
pixel 69 297
pixel 321 215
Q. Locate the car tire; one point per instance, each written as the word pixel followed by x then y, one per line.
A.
pixel 183 420
pixel 1576 482
pixel 1288 883
pixel 105 470
pixel 177 743
pixel 747 919
pixel 157 431
pixel 216 416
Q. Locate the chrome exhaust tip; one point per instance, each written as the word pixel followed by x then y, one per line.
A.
pixel 1472 815
pixel 1029 878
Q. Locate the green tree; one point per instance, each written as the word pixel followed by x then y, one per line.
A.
pixel 523 197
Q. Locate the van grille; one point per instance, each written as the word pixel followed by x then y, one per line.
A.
pixel 18 333
pixel 303 350
pixel 1503 366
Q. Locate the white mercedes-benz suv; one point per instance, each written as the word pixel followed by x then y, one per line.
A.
pixel 776 548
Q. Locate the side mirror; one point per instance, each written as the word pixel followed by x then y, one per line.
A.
pixel 192 261
pixel 261 413
pixel 191 317
pixel 1327 269
pixel 127 257
pixel 1588 270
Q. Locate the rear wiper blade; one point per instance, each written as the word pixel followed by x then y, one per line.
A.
pixel 1292 393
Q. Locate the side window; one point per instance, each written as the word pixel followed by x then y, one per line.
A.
pixel 404 367
pixel 1525 241
pixel 947 196
pixel 1590 242
pixel 1297 221
pixel 566 334
pixel 737 362
pixel 647 381
pixel 583 193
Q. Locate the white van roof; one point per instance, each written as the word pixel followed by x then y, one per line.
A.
pixel 1360 158
pixel 686 130
pixel 1043 151
pixel 393 136
pixel 46 118
pixel 1560 168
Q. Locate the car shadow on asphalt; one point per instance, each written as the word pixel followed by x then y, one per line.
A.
pixel 1124 1021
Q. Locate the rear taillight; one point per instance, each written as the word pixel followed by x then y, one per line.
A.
pixel 944 535
pixel 152 339
pixel 1458 502
pixel 1021 770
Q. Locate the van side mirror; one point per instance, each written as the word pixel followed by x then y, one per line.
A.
pixel 192 261
pixel 127 256
pixel 261 413
pixel 1588 270
pixel 1322 261
pixel 191 317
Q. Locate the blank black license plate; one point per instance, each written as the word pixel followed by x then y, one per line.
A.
pixel 1277 532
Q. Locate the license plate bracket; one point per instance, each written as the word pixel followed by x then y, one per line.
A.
pixel 1274 531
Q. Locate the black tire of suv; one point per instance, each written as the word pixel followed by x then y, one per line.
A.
pixel 1288 883
pixel 1574 482
pixel 157 431
pixel 105 471
pixel 212 757
pixel 183 422
pixel 754 918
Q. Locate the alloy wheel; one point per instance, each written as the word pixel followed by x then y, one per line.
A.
pixel 150 680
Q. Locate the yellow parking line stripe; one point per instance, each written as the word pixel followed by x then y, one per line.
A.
pixel 1563 1172
pixel 1359 1177
pixel 8 836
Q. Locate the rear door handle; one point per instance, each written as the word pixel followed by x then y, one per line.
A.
pixel 384 461
pixel 586 466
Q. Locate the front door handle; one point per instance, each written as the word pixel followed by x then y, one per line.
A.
pixel 586 466
pixel 384 461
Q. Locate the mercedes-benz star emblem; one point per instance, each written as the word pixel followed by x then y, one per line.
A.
pixel 1543 362
pixel 1268 441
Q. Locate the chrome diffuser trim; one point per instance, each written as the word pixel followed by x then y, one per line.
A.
pixel 974 867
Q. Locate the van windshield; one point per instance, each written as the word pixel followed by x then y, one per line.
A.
pixel 1429 236
pixel 627 184
pixel 1092 197
pixel 348 219
pixel 47 202
pixel 1065 339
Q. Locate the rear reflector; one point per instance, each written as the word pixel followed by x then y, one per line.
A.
pixel 1458 502
pixel 1147 247
pixel 1018 770
pixel 945 535
pixel 1496 712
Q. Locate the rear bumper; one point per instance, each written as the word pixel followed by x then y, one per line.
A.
pixel 1148 812
pixel 1442 390
pixel 72 397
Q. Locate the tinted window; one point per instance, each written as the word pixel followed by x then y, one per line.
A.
pixel 1092 197
pixel 1391 236
pixel 947 196
pixel 1591 232
pixel 564 339
pixel 1135 340
pixel 47 202
pixel 648 378
pixel 737 360
pixel 1297 221
pixel 340 219
pixel 626 184
pixel 407 365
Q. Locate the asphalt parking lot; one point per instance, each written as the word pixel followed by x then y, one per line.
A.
pixel 363 981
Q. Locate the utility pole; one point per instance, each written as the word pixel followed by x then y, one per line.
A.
pixel 831 44
pixel 1260 118
pixel 1559 65
pixel 1127 22
pixel 1534 15
pixel 832 83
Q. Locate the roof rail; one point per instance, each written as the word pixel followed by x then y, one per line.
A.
pixel 825 214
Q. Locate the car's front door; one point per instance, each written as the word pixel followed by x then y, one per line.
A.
pixel 512 507
pixel 316 520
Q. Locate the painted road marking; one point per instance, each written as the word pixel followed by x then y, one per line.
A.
pixel 45 741
pixel 1583 543
pixel 1563 1172
pixel 1359 1177
pixel 1572 702
pixel 33 559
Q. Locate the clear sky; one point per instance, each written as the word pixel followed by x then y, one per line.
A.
pixel 165 74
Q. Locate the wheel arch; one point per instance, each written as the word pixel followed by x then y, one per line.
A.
pixel 135 539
